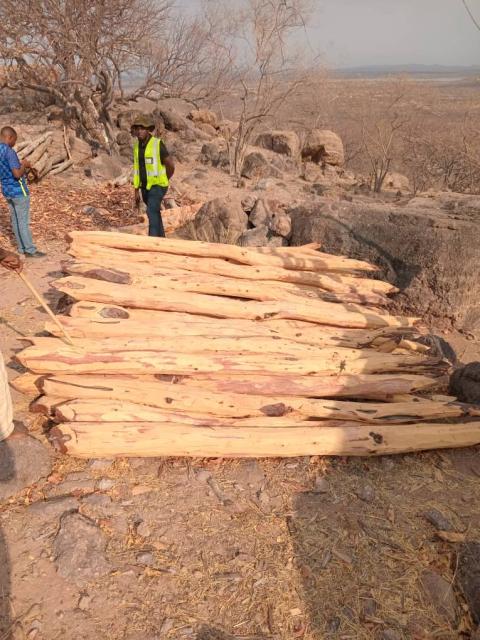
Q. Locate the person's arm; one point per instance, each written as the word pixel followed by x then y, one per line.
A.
pixel 169 166
pixel 24 166
pixel 16 167
pixel 167 160
pixel 10 260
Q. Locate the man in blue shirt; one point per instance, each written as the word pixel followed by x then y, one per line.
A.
pixel 15 191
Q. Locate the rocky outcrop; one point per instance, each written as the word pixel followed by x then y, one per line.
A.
pixel 432 256
pixel 106 167
pixel 277 222
pixel 283 142
pixel 324 147
pixel 258 165
pixel 206 128
pixel 79 149
pixel 269 228
pixel 220 220
pixel 215 155
pixel 126 118
pixel 396 182
pixel 203 116
pixel 267 164
pixel 172 120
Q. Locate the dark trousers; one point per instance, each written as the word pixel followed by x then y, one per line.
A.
pixel 153 199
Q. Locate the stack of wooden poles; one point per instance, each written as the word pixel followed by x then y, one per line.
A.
pixel 183 348
pixel 46 154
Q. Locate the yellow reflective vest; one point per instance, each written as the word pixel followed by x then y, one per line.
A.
pixel 156 172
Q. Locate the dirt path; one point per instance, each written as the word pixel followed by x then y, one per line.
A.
pixel 305 548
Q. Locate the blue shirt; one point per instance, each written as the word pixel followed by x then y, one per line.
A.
pixel 11 186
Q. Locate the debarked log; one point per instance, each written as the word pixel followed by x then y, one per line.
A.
pixel 178 280
pixel 142 261
pixel 57 358
pixel 96 440
pixel 196 393
pixel 241 255
pixel 195 407
pixel 319 311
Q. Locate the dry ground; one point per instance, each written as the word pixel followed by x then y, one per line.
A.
pixel 306 548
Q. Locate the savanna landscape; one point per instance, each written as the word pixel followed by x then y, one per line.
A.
pixel 274 150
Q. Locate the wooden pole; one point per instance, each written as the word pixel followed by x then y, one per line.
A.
pixel 41 300
pixel 101 439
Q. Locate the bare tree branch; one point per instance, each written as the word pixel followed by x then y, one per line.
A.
pixel 472 17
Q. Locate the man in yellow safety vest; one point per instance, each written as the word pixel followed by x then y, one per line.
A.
pixel 152 169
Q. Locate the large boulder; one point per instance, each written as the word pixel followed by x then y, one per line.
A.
pixel 172 120
pixel 124 138
pixel 276 222
pixel 206 128
pixel 260 237
pixel 431 255
pixel 106 167
pixel 257 164
pixel 283 142
pixel 324 147
pixel 125 118
pixel 396 182
pixel 203 116
pixel 220 220
pixel 215 155
pixel 79 149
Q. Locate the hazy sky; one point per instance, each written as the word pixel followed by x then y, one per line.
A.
pixel 366 32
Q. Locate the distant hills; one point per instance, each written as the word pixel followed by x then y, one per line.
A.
pixel 375 71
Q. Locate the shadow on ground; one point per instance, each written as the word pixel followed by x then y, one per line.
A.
pixel 7 472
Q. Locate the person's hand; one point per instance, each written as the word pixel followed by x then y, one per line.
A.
pixel 137 198
pixel 11 261
pixel 26 164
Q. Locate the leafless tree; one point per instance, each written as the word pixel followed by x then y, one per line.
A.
pixel 446 159
pixel 191 62
pixel 75 51
pixel 265 63
pixel 380 132
pixel 470 13
pixel 78 53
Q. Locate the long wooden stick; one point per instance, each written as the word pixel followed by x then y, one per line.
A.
pixel 97 439
pixel 40 299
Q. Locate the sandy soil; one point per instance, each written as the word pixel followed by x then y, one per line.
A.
pixel 304 548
